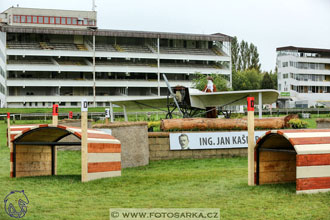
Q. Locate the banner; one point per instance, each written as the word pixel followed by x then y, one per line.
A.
pixel 211 140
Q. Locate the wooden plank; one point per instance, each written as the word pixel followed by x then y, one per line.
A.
pixel 251 146
pixel 103 157
pixel 84 146
pixel 313 183
pixel 104 148
pixel 33 166
pixel 276 177
pixel 313 149
pixel 313 171
pixel 22 149
pixel 276 156
pixel 55 162
pixel 93 176
pixel 34 173
pixel 274 166
pixel 303 141
pixel 55 120
pixel 100 136
pixel 97 140
pixel 307 134
pixel 302 131
pixel 8 131
pixel 313 159
pixel 103 167
pixel 21 157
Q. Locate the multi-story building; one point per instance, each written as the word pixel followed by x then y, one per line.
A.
pixel 303 76
pixel 60 56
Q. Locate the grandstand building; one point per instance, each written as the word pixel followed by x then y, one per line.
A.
pixel 303 76
pixel 60 56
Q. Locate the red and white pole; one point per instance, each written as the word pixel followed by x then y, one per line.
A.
pixel 55 114
pixel 251 144
pixel 8 129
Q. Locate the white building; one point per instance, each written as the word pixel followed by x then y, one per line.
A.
pixel 303 76
pixel 59 56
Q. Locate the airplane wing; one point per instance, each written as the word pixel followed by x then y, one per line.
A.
pixel 202 100
pixel 143 103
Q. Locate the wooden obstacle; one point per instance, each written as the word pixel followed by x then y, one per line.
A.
pixel 301 156
pixel 33 149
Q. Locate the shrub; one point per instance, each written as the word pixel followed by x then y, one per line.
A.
pixel 153 124
pixel 297 123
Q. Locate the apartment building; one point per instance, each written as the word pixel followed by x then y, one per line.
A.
pixel 303 76
pixel 60 56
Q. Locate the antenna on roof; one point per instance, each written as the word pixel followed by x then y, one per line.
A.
pixel 94 6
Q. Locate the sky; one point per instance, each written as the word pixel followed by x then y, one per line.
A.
pixel 267 24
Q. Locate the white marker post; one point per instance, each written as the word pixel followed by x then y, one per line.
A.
pixel 107 115
pixel 111 113
pixel 55 114
pixel 251 144
pixel 125 113
pixel 84 144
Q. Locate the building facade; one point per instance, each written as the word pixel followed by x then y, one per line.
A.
pixel 303 76
pixel 59 56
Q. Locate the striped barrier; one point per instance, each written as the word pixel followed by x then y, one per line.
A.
pixel 29 142
pixel 302 156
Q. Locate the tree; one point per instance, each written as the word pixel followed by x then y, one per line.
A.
pixel 219 81
pixel 254 58
pixel 267 82
pixel 247 80
pixel 273 76
pixel 234 53
pixel 244 56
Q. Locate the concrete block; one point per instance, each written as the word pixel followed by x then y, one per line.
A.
pixel 163 141
pixel 162 153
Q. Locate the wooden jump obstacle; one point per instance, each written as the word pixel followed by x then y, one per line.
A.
pixel 33 150
pixel 301 156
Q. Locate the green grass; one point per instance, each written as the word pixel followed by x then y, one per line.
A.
pixel 204 183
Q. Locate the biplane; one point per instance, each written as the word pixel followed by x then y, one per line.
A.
pixel 190 102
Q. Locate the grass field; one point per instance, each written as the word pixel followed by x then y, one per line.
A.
pixel 205 183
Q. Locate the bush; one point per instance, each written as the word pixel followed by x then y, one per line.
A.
pixel 297 123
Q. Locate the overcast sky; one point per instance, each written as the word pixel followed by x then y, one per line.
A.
pixel 266 23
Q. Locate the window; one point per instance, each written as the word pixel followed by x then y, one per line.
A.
pixel 85 21
pixel 46 20
pixel 74 20
pixel 34 19
pixel 285 64
pixel 80 22
pixel 16 18
pixel 63 20
pixel 57 20
pixel 74 103
pixel 28 19
pixel 51 20
pixel 23 19
pixel 68 20
pixel 40 20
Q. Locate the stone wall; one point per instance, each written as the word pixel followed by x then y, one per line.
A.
pixel 134 141
pixel 322 123
pixel 159 149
